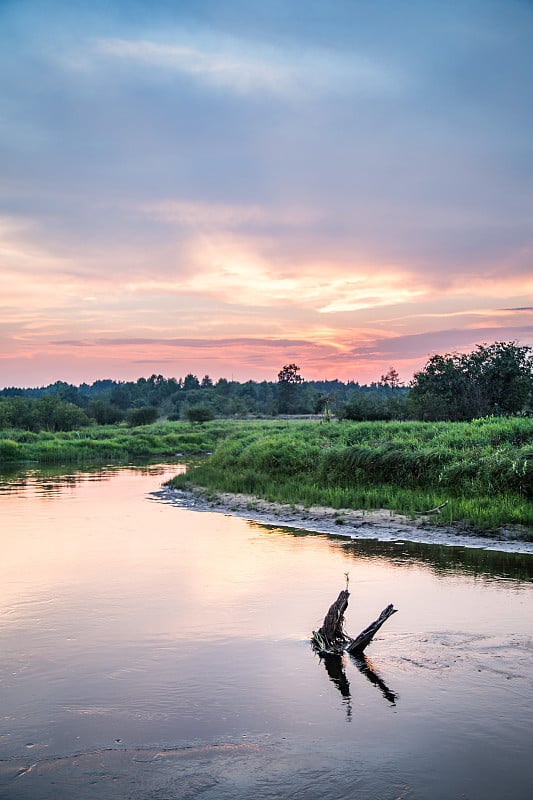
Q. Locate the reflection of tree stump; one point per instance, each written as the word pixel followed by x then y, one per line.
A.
pixel 365 667
pixel 331 638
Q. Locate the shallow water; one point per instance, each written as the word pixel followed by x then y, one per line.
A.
pixel 149 651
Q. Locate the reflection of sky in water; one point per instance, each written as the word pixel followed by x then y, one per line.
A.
pixel 126 622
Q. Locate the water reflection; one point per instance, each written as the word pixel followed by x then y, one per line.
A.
pixel 334 665
pixel 123 620
pixel 366 668
pixel 443 559
pixel 446 559
pixel 336 669
pixel 53 480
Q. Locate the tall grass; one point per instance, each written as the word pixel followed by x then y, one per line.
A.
pixel 112 443
pixel 484 469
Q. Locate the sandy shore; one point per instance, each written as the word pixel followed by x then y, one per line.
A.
pixel 381 525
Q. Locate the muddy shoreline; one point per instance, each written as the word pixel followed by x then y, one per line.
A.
pixel 380 525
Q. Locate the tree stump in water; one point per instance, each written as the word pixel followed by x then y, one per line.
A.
pixel 331 637
pixel 357 645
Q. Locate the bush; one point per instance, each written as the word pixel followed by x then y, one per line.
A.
pixel 142 416
pixel 104 412
pixel 364 406
pixel 199 414
pixel 9 450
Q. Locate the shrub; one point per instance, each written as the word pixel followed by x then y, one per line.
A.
pixel 199 414
pixel 9 450
pixel 142 416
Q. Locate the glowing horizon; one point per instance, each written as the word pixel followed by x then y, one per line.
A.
pixel 224 188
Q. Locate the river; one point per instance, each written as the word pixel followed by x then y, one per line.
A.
pixel 155 652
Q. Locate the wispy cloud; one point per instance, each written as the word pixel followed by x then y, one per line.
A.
pixel 245 68
pixel 201 344
pixel 241 73
pixel 227 216
pixel 371 291
pixel 421 346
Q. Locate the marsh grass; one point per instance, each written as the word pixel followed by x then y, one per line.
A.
pixel 113 443
pixel 484 469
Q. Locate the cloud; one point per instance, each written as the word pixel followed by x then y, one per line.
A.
pixel 219 217
pixel 371 291
pixel 331 176
pixel 218 343
pixel 423 345
pixel 249 67
pixel 240 73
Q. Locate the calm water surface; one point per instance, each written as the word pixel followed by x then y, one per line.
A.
pixel 149 651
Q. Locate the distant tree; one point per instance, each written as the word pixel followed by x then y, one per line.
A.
pixel 45 413
pixel 56 415
pixel 104 412
pixel 391 379
pixel 493 379
pixel 223 387
pixel 199 414
pixel 123 395
pixel 288 383
pixel 66 392
pixel 289 374
pixel 397 404
pixel 323 406
pixel 206 383
pixel 363 406
pixel 20 412
pixel 142 416
pixel 438 391
pixel 5 421
pixel 102 386
pixel 190 381
pixel 505 371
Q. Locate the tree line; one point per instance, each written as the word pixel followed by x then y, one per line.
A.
pixel 494 379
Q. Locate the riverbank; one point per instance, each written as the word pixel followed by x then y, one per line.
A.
pixel 381 525
pixel 480 474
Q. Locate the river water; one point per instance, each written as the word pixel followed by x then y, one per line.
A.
pixel 150 651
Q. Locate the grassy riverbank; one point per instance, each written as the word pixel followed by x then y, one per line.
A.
pixel 483 469
pixel 111 443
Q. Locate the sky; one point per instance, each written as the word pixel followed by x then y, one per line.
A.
pixel 224 187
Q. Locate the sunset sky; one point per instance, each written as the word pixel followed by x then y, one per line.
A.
pixel 228 186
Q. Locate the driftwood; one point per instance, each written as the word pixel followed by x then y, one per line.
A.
pixel 357 645
pixel 332 638
pixel 435 510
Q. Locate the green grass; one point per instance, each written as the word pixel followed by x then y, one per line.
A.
pixel 484 469
pixel 111 443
